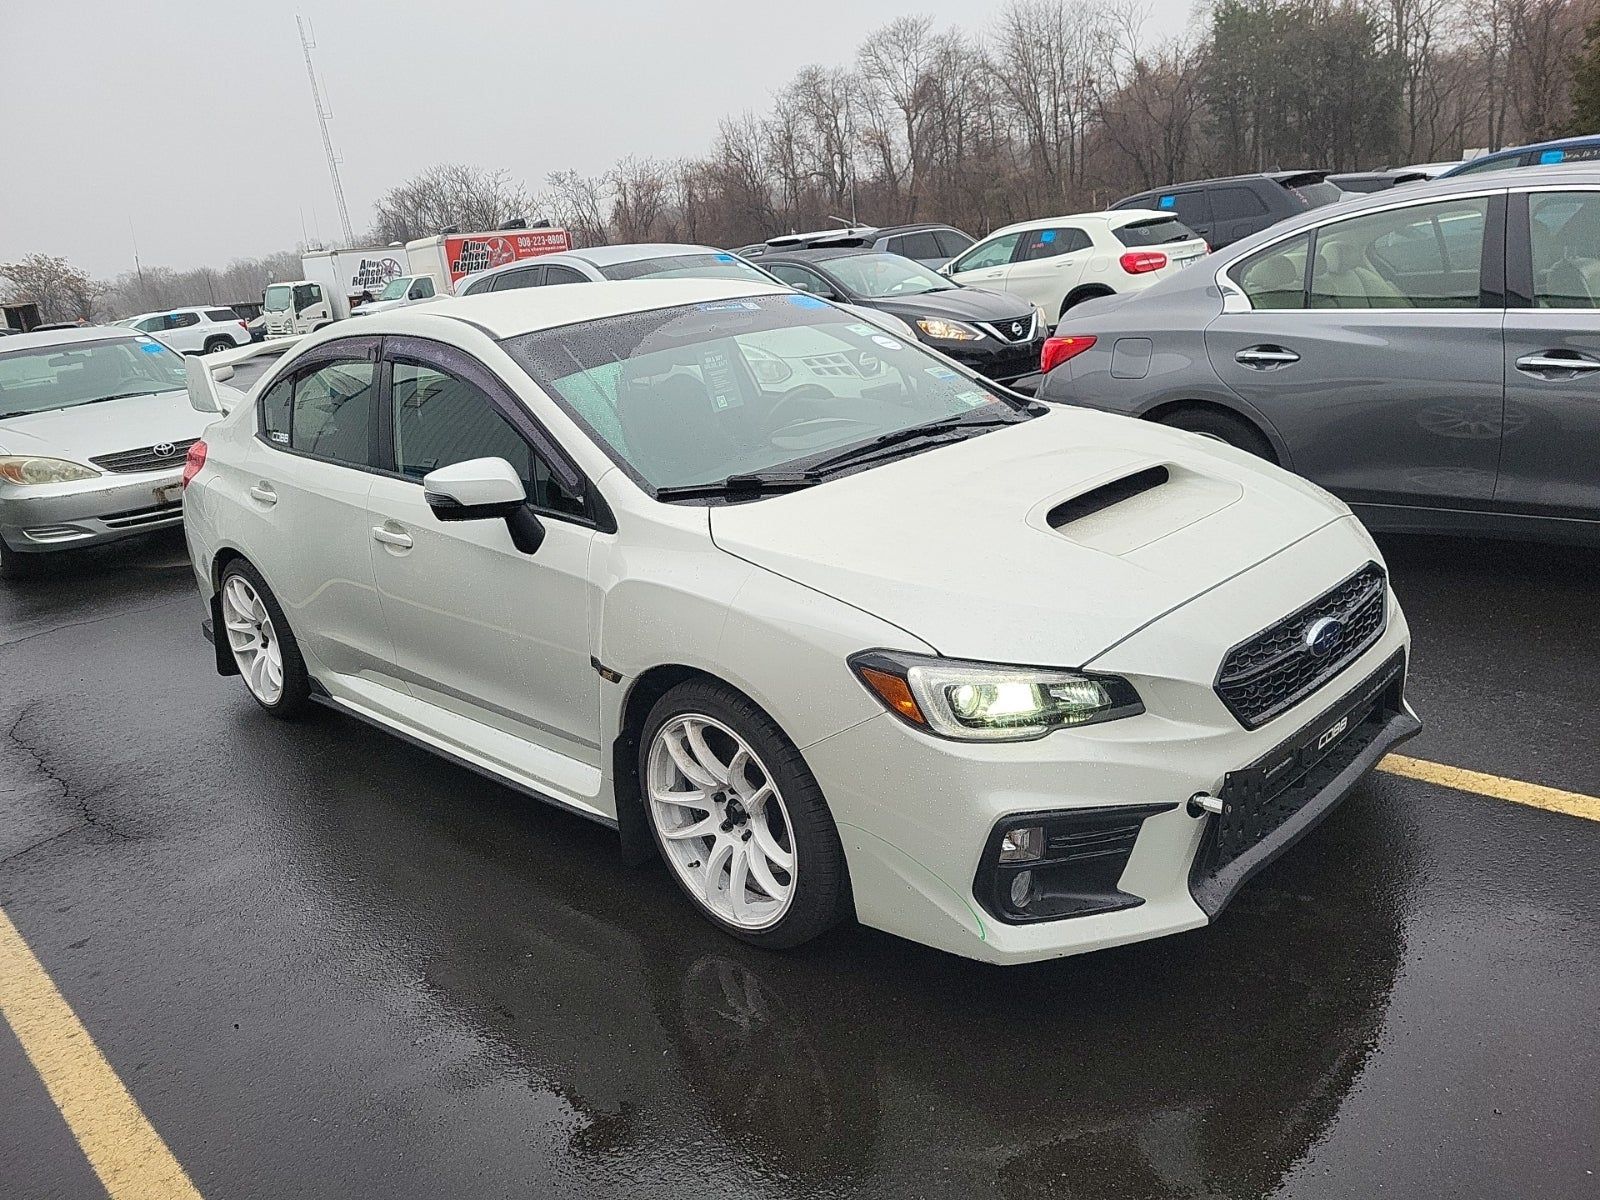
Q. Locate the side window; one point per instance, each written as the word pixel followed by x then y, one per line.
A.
pixel 1569 154
pixel 522 277
pixel 1489 162
pixel 996 252
pixel 334 412
pixel 1275 278
pixel 1235 204
pixel 915 245
pixel 440 419
pixel 183 320
pixel 801 278
pixel 1192 208
pixel 1424 256
pixel 222 314
pixel 1047 243
pixel 306 295
pixel 951 242
pixel 151 324
pixel 1564 233
pixel 422 288
pixel 479 286
pixel 559 274
pixel 276 407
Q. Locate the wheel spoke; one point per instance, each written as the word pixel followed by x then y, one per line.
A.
pixel 765 880
pixel 685 760
pixel 704 827
pixel 716 863
pixel 768 843
pixel 695 735
pixel 738 880
pixel 694 799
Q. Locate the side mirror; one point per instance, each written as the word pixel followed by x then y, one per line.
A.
pixel 484 489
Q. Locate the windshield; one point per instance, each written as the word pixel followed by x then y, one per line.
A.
pixel 886 275
pixel 64 376
pixel 396 289
pixel 277 298
pixel 1157 231
pixel 700 392
pixel 710 265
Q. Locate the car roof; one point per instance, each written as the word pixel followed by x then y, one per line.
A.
pixel 605 256
pixel 825 253
pixel 1284 178
pixel 1113 218
pixel 66 337
pixel 527 310
pixel 1586 139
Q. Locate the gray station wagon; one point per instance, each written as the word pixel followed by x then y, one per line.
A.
pixel 1430 355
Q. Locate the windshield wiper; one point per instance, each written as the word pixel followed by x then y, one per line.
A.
pixel 741 487
pixel 946 429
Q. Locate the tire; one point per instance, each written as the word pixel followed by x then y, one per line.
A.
pixel 18 566
pixel 1224 426
pixel 734 871
pixel 216 344
pixel 291 696
pixel 1074 299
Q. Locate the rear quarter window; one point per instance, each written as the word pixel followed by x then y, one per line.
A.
pixel 1155 232
pixel 222 314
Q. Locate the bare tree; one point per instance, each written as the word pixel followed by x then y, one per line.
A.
pixel 445 195
pixel 61 290
pixel 576 203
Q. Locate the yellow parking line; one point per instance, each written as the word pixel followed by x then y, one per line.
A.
pixel 1534 795
pixel 125 1151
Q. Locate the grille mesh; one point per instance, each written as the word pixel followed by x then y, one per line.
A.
pixel 1275 670
pixel 144 458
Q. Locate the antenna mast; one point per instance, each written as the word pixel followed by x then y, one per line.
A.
pixel 323 117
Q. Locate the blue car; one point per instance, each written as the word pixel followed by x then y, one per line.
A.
pixel 1540 154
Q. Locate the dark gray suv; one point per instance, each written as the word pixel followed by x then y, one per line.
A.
pixel 1224 210
pixel 1431 355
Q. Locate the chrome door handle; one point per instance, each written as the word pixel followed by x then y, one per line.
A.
pixel 1553 360
pixel 264 493
pixel 1262 357
pixel 391 537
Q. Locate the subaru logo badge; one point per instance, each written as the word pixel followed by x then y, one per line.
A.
pixel 164 449
pixel 1323 636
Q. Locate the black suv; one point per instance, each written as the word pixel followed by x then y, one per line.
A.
pixel 1224 210
pixel 930 244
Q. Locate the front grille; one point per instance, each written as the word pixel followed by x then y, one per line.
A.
pixel 161 456
pixel 145 516
pixel 1019 330
pixel 1007 364
pixel 1277 668
pixel 1260 799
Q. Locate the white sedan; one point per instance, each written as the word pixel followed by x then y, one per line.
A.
pixel 1011 680
pixel 1059 262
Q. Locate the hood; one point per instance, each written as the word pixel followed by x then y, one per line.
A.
pixel 1032 544
pixel 80 433
pixel 957 303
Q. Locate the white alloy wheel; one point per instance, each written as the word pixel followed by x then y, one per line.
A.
pixel 252 639
pixel 722 821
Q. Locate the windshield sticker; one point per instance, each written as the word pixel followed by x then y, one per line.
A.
pixel 888 343
pixel 730 306
pixel 863 330
pixel 1169 202
pixel 716 372
pixel 725 258
pixel 941 372
pixel 807 302
pixel 972 399
pixel 1552 156
pixel 152 347
pixel 1049 235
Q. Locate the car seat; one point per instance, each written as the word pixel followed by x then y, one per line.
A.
pixel 1346 278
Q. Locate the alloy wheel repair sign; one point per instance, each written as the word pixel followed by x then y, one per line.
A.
pixel 468 253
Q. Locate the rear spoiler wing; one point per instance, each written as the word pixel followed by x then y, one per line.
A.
pixel 205 372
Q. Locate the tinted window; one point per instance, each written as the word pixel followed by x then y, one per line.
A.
pixel 1236 204
pixel 1157 231
pixel 422 288
pixel 182 320
pixel 1567 154
pixel 1564 232
pixel 222 314
pixel 440 419
pixel 915 245
pixel 276 408
pixel 1275 278
pixel 510 281
pixel 1315 195
pixel 334 411
pixel 951 242
pixel 996 252
pixel 1192 208
pixel 1423 256
pixel 477 287
pixel 1489 162
pixel 802 278
pixel 306 295
pixel 557 274
pixel 1047 243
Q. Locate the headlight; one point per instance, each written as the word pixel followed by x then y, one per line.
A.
pixel 26 469
pixel 949 331
pixel 991 702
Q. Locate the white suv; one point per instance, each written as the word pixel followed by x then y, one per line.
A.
pixel 194 330
pixel 1062 261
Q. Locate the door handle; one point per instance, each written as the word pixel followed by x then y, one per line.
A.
pixel 1264 358
pixel 264 493
pixel 1556 360
pixel 391 537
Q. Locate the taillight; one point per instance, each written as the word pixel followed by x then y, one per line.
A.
pixel 1057 350
pixel 1140 262
pixel 193 461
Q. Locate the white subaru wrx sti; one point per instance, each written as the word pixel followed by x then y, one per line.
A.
pixel 835 626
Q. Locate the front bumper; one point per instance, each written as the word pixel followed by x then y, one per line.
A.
pixel 58 516
pixel 1004 362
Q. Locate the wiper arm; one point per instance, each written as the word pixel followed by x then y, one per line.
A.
pixel 741 487
pixel 948 429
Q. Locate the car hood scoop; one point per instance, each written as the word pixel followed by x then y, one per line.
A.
pixel 1043 543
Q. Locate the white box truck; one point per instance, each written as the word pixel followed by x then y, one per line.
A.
pixel 358 274
pixel 300 306
pixel 449 257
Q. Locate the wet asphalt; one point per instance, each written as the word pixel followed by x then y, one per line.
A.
pixel 327 964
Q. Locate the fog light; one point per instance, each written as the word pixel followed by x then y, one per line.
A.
pixel 1021 889
pixel 1025 843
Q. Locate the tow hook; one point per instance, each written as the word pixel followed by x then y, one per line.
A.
pixel 1204 802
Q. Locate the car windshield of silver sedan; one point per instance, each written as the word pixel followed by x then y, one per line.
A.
pixel 884 275
pixel 754 394
pixel 687 266
pixel 45 378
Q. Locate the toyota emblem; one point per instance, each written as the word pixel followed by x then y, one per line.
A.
pixel 164 449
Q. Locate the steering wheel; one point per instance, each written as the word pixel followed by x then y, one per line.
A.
pixel 795 398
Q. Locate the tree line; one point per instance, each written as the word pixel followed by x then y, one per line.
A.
pixel 1059 106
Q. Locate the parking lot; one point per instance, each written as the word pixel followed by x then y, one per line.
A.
pixel 324 963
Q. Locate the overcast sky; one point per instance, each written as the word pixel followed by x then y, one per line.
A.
pixel 194 121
